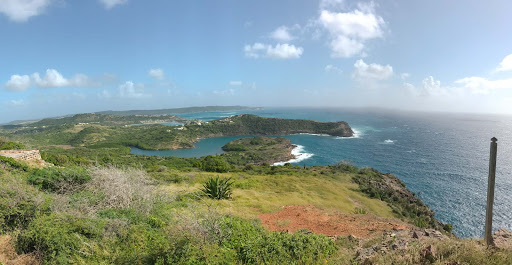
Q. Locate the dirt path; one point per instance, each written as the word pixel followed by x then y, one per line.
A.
pixel 294 217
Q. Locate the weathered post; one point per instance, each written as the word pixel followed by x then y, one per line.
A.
pixel 490 192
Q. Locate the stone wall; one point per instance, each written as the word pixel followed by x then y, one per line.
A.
pixel 23 155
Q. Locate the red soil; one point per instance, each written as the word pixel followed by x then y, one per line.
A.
pixel 294 217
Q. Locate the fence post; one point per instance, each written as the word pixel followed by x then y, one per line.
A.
pixel 490 192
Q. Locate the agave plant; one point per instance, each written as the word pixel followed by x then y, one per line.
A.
pixel 217 188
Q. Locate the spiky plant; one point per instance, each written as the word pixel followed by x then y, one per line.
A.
pixel 217 188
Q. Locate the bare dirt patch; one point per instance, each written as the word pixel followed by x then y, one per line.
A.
pixel 8 255
pixel 295 217
pixel 63 146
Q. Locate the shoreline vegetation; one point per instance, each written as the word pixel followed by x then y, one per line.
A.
pixel 100 204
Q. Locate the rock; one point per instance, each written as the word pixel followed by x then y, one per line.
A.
pixel 364 254
pixel 502 239
pixel 417 235
pixel 428 253
pixel 400 244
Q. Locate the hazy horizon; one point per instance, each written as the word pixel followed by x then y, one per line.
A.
pixel 62 57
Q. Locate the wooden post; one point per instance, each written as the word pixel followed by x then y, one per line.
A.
pixel 490 192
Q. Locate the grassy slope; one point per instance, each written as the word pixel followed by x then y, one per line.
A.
pixel 256 194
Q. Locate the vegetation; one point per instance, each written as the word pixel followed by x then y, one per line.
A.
pixel 156 137
pixel 217 188
pixel 7 145
pixel 100 204
pixel 258 150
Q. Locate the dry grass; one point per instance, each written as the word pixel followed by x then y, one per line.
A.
pixel 8 255
pixel 110 188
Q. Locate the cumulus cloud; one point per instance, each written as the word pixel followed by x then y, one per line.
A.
pixel 480 85
pixel 108 4
pixel 332 69
pixel 280 51
pixel 157 74
pixel 235 83
pixel 349 31
pixel 51 79
pixel 22 10
pixel 506 64
pixel 282 34
pixel 429 87
pixel 18 83
pixel 371 71
pixel 132 90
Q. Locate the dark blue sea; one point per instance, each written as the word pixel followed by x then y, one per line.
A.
pixel 442 157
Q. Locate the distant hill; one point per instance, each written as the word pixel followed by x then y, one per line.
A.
pixel 177 110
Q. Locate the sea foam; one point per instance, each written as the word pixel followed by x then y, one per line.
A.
pixel 299 154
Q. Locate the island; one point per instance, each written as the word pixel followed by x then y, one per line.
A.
pixel 259 150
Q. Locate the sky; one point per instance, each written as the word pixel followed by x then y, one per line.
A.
pixel 61 57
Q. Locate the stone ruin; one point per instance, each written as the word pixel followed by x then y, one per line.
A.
pixel 22 155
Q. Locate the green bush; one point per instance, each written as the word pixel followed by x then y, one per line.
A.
pixel 217 188
pixel 19 204
pixel 60 180
pixel 12 164
pixel 254 245
pixel 214 164
pixel 6 145
pixel 59 237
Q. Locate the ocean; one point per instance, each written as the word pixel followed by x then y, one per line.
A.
pixel 444 158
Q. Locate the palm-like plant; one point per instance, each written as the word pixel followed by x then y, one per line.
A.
pixel 217 188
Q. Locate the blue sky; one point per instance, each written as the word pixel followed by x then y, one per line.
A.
pixel 60 56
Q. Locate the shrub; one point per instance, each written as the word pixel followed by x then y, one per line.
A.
pixel 5 145
pixel 120 189
pixel 254 245
pixel 19 204
pixel 59 237
pixel 214 164
pixel 10 163
pixel 217 188
pixel 60 180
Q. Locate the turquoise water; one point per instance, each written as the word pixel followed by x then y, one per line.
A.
pixel 442 157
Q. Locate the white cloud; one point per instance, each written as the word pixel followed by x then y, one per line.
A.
pixel 480 85
pixel 404 76
pixel 224 92
pixel 18 83
pixel 506 64
pixel 371 71
pixel 332 69
pixel 22 10
pixel 284 51
pixel 235 83
pixel 430 87
pixel 51 79
pixel 350 30
pixel 132 90
pixel 254 51
pixel 108 4
pixel 280 51
pixel 157 74
pixel 282 34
